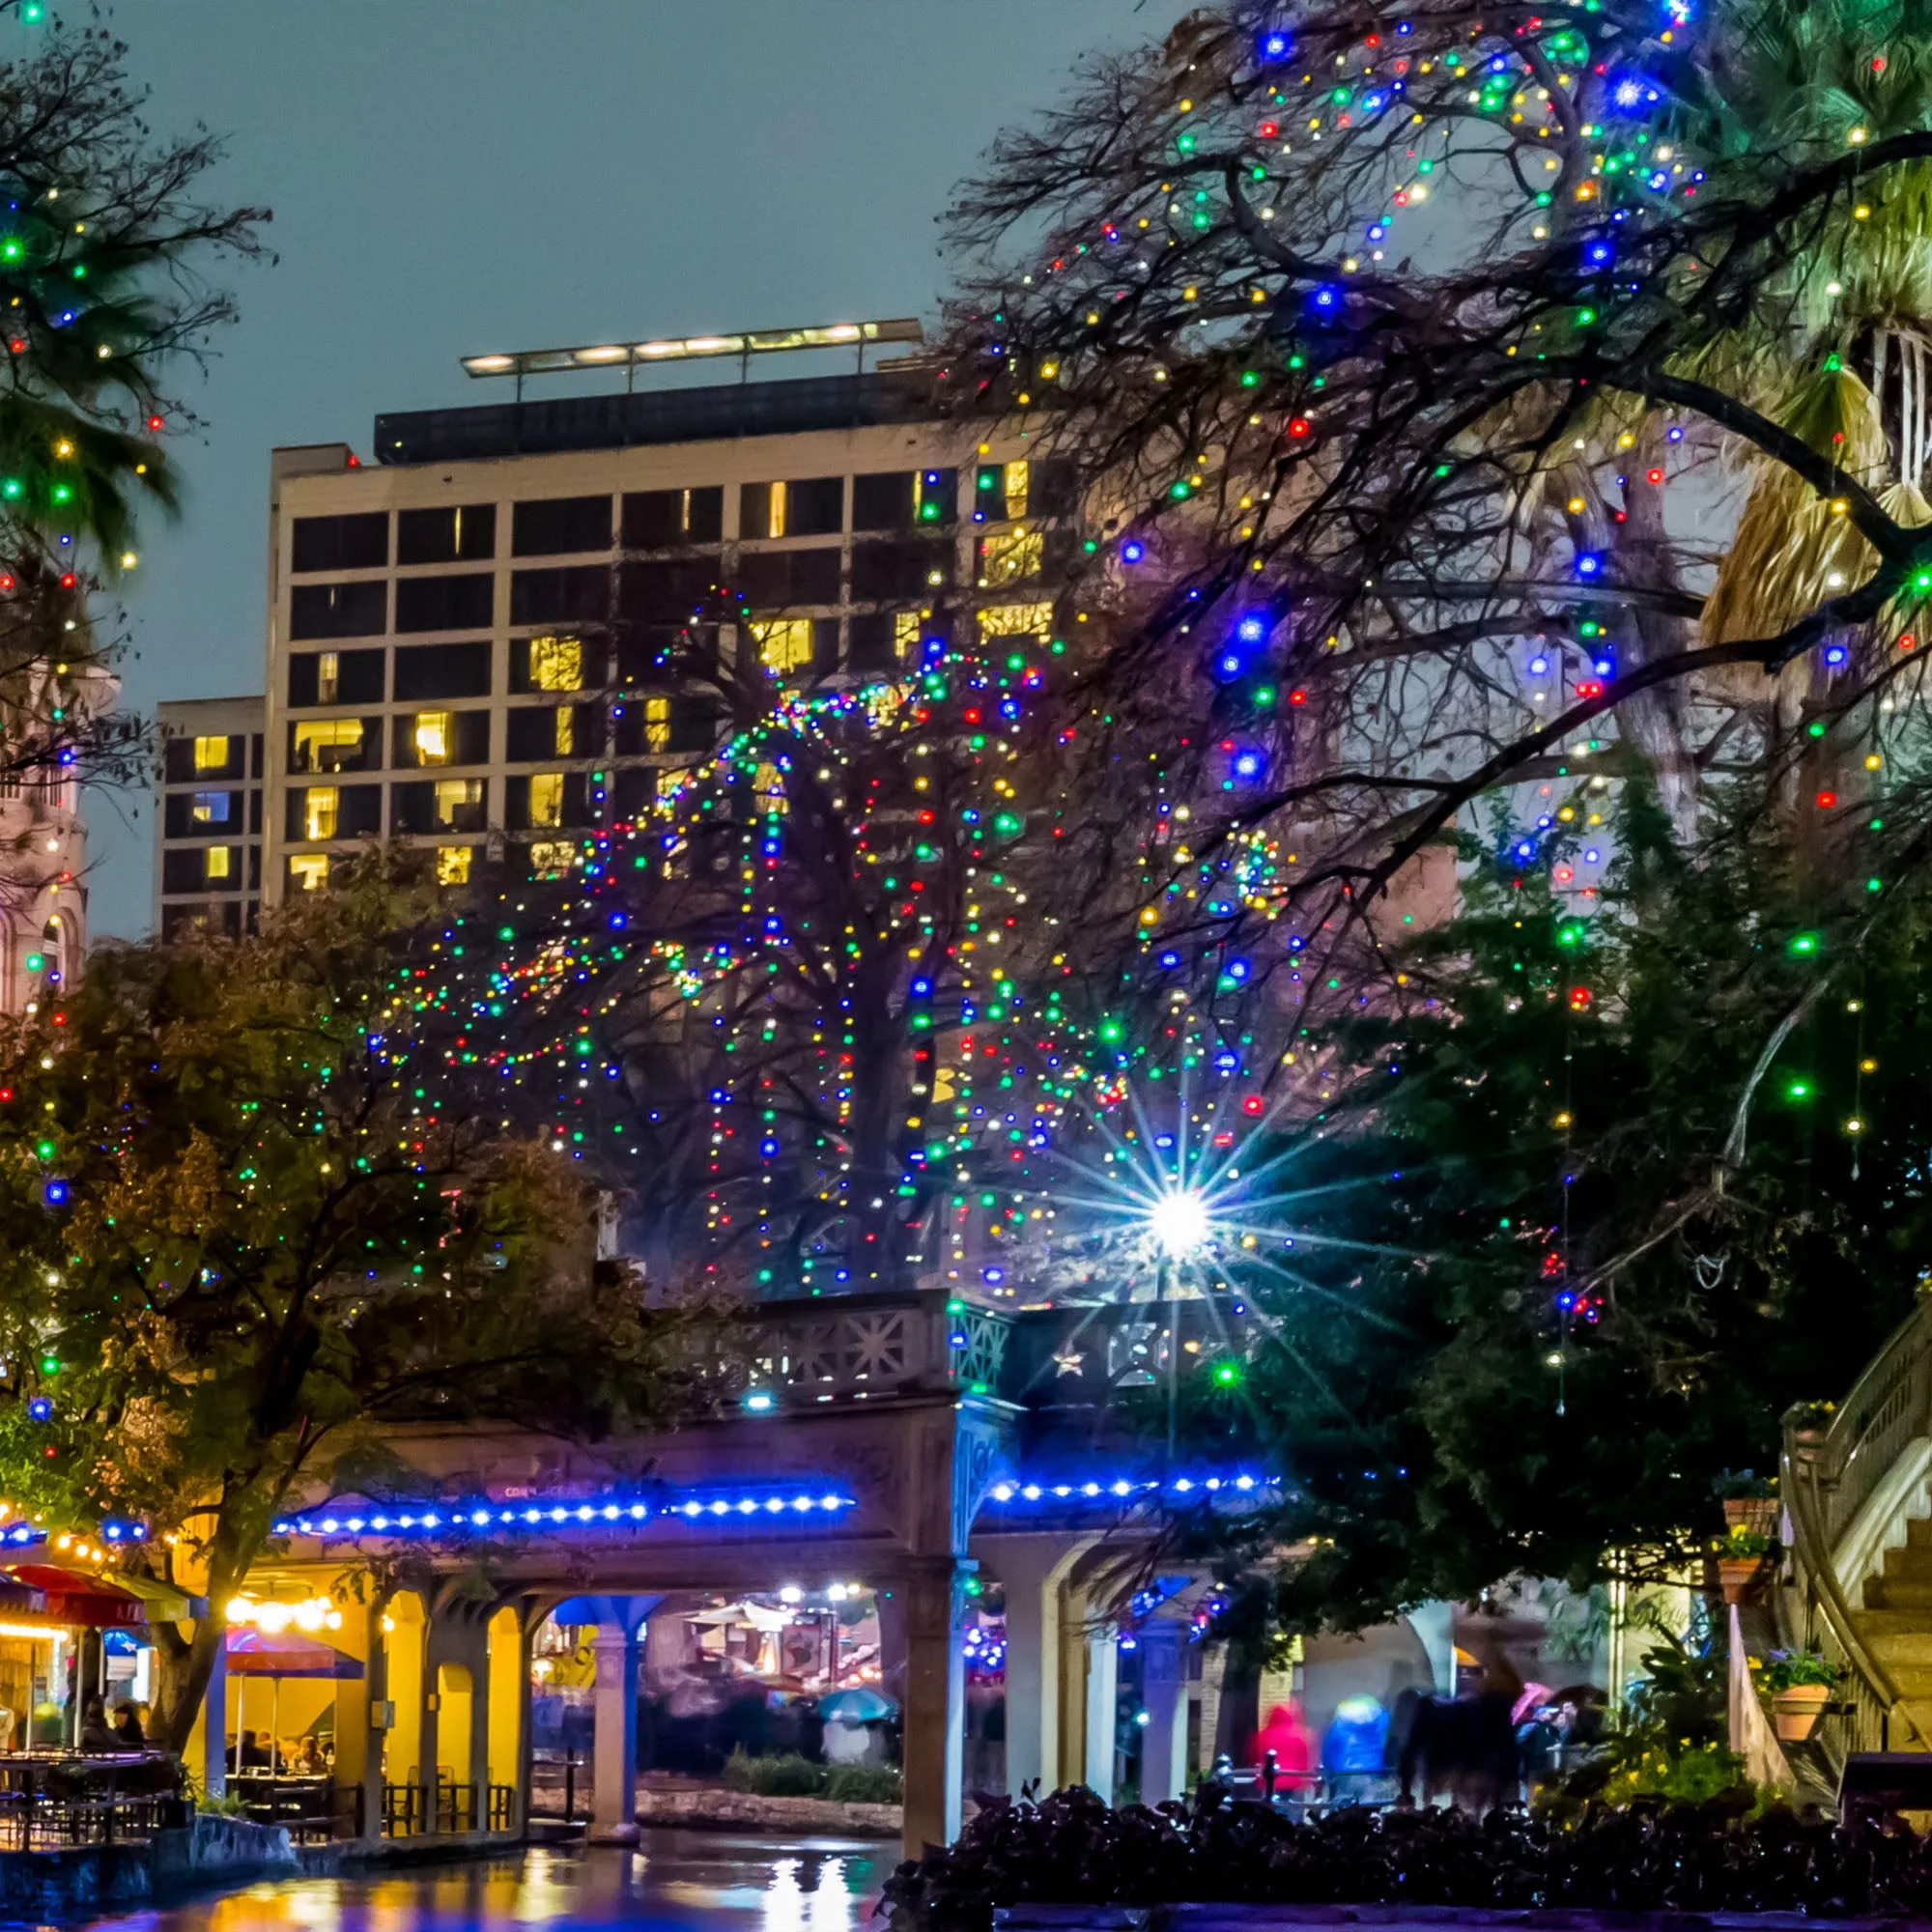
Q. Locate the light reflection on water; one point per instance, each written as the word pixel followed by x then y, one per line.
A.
pixel 675 1880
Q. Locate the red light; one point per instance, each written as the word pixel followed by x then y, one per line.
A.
pixel 67 579
pixel 155 422
pixel 6 1093
pixel 1269 130
pixel 1297 697
pixel 1579 998
pixel 1298 426
pixel 1906 643
pixel 354 461
pixel 1589 688
pixel 1252 1104
pixel 1827 800
pixel 60 1019
pixel 18 347
pixel 6 582
pixel 1655 476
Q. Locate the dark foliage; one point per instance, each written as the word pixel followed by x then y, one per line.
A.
pixel 1072 1849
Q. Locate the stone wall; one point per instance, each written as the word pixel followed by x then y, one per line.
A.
pixel 745 1811
pixel 86 1880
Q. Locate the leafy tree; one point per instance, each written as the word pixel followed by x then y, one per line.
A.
pixel 251 1222
pixel 1607 1193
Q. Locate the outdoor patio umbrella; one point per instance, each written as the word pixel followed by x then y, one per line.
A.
pixel 856 1705
pixel 276 1655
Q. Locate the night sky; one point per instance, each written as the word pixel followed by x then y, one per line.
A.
pixel 453 175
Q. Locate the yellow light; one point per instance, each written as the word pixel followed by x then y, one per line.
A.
pixel 63 448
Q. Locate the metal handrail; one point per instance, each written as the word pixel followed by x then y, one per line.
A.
pixel 1829 1476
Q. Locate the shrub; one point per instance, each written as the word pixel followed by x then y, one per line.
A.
pixel 863 1784
pixel 1651 1856
pixel 787 1777
pixel 1787 1669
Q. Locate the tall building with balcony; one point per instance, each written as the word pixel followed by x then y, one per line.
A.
pixel 464 639
pixel 208 863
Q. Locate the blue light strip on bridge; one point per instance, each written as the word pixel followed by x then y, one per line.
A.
pixel 1185 1488
pixel 792 1507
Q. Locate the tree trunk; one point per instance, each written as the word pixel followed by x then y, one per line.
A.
pixel 182 1677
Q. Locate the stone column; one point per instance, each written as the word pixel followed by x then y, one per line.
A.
pixel 358 1740
pixel 1103 1715
pixel 1033 1568
pixel 918 1628
pixel 613 1816
pixel 1164 1697
pixel 213 1765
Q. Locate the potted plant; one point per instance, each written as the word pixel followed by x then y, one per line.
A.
pixel 1799 1683
pixel 1741 1561
pixel 1808 1421
pixel 1750 1501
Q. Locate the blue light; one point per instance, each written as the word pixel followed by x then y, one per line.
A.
pixel 758 1400
pixel 1276 46
pixel 1132 552
pixel 54 1194
pixel 1538 667
pixel 1251 630
pixel 1835 654
pixel 1248 764
pixel 1227 666
pixel 1589 564
pixel 616 922
pixel 1237 970
pixel 40 1410
pixel 1600 252
pixel 1526 849
pixel 1328 298
pixel 922 989
pixel 1170 959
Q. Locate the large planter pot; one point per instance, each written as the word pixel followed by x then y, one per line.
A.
pixel 1795 1712
pixel 1758 1514
pixel 1739 1575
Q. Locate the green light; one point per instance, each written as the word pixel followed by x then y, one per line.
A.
pixel 1111 1030
pixel 51 1365
pixel 46 1150
pixel 1227 1375
pixel 1799 1090
pixel 1804 942
pixel 1249 380
pixel 35 961
pixel 61 492
pixel 1874 885
pixel 1922 579
pixel 1185 143
pixel 1181 490
pixel 1815 729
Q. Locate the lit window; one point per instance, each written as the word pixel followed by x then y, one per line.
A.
pixel 1017 620
pixel 220 861
pixel 452 865
pixel 930 500
pixel 320 806
pixel 454 796
pixel 551 855
pixel 777 518
pixel 556 664
pixel 657 724
pixel 328 745
pixel 328 675
pixel 308 871
pixel 210 808
pixel 210 754
pixel 546 798
pixel 1016 489
pixel 566 731
pixel 768 787
pixel 784 643
pixel 1008 556
pixel 432 733
pixel 905 635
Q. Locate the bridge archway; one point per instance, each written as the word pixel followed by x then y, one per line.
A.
pixel 405 1629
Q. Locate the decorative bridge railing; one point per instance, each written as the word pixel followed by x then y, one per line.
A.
pixel 1830 1472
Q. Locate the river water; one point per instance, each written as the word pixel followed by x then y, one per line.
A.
pixel 700 1880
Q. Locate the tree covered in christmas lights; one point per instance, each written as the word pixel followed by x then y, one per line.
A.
pixel 254 1223
pixel 105 246
pixel 1603 1195
pixel 1501 395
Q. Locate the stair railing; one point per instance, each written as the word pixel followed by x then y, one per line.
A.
pixel 1831 1469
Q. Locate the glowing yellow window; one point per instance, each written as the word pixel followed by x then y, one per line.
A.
pixel 556 664
pixel 432 734
pixel 328 744
pixel 328 675
pixel 220 861
pixel 1007 555
pixel 1016 489
pixel 784 643
pixel 308 871
pixel 551 855
pixel 566 730
pixel 452 865
pixel 321 805
pixel 546 798
pixel 905 635
pixel 210 754
pixel 777 516
pixel 657 724
pixel 455 796
pixel 1017 620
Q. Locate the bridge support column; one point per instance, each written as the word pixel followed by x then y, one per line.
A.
pixel 1033 1571
pixel 1164 1696
pixel 613 1817
pixel 358 1742
pixel 456 1673
pixel 918 1620
pixel 1103 1696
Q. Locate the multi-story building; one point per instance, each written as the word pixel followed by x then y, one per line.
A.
pixel 208 863
pixel 465 639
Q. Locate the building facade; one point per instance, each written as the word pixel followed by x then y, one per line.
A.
pixel 207 862
pixel 465 639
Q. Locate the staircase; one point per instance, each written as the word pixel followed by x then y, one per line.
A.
pixel 1858 1497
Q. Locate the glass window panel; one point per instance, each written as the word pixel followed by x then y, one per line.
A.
pixel 328 744
pixel 546 798
pixel 432 732
pixel 321 806
pixel 454 796
pixel 210 754
pixel 657 724
pixel 550 857
pixel 566 730
pixel 452 865
pixel 1016 489
pixel 221 859
pixel 211 807
pixel 308 871
pixel 1017 620
pixel 556 664
pixel 785 644
pixel 1010 555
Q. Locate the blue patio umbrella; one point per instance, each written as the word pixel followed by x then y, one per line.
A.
pixel 855 1706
